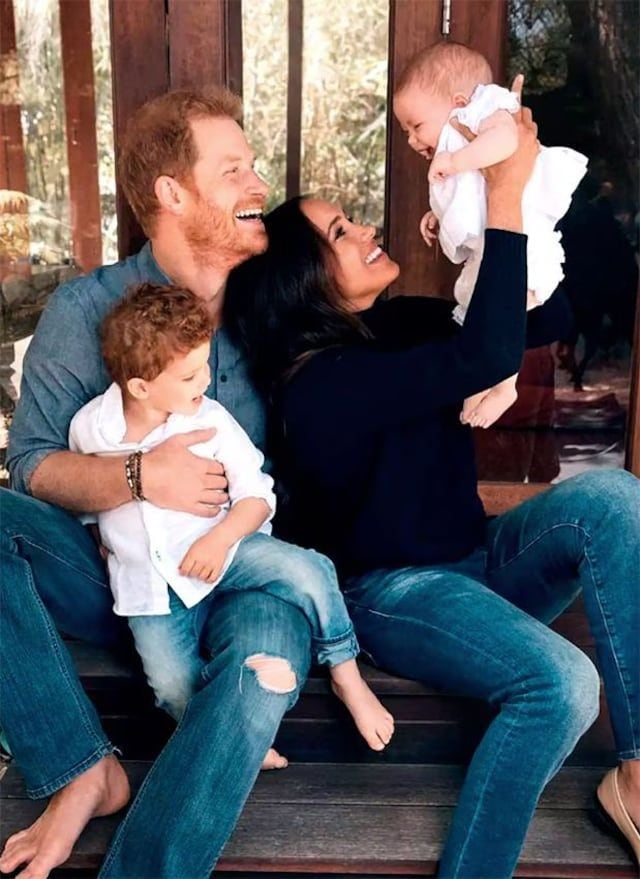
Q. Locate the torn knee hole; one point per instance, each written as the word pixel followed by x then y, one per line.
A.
pixel 273 673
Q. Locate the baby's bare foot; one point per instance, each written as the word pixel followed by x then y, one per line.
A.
pixel 374 722
pixel 493 405
pixel 274 760
pixel 470 405
pixel 101 790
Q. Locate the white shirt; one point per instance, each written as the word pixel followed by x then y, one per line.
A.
pixel 460 203
pixel 147 543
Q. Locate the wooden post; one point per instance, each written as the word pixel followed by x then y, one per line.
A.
pixel 13 169
pixel 82 147
pixel 294 97
pixel 190 43
pixel 414 24
pixel 140 69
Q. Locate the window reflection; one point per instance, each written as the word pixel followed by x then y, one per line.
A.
pixel 580 61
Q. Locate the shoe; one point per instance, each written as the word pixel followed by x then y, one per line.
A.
pixel 613 810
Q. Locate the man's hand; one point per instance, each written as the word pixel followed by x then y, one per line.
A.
pixel 442 166
pixel 429 228
pixel 206 557
pixel 176 479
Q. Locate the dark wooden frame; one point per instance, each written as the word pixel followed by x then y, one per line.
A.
pixel 161 44
pixel 82 145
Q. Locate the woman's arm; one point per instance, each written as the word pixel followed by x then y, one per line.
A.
pixel 361 389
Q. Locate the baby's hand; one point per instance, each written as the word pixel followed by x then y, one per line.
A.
pixel 205 558
pixel 429 228
pixel 442 166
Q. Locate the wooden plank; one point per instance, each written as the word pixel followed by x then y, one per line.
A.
pixel 632 461
pixel 498 497
pixel 197 51
pixel 359 785
pixel 13 168
pixel 413 24
pixel 294 97
pixel 399 839
pixel 233 12
pixel 140 70
pixel 482 24
pixel 82 145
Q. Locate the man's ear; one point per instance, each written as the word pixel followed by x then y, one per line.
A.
pixel 170 194
pixel 138 388
pixel 460 100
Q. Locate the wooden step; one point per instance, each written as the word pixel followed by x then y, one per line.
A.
pixel 431 727
pixel 333 819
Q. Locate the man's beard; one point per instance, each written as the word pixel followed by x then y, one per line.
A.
pixel 216 241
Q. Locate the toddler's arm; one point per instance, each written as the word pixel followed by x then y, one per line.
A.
pixel 252 501
pixel 497 140
pixel 206 557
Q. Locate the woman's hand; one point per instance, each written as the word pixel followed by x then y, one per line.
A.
pixel 506 180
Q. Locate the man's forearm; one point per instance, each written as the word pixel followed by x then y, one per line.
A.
pixel 81 483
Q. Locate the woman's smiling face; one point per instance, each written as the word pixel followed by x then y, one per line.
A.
pixel 360 269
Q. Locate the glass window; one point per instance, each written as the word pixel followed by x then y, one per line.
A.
pixel 580 61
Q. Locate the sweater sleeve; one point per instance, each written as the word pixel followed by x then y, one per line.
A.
pixel 360 389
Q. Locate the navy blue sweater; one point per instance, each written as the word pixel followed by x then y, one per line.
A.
pixel 379 470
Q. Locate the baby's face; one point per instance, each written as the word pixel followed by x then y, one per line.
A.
pixel 422 115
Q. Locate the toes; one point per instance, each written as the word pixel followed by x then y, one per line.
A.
pixel 35 870
pixel 274 760
pixel 12 858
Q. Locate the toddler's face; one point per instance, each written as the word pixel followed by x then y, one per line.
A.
pixel 181 385
pixel 422 115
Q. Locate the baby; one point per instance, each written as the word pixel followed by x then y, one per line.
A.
pixel 167 567
pixel 447 82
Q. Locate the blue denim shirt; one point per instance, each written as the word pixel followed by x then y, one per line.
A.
pixel 63 368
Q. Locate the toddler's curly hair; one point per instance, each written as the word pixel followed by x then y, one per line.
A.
pixel 149 327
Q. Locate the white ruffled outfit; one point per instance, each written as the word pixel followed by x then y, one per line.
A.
pixel 459 202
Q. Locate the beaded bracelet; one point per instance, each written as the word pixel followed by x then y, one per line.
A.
pixel 133 472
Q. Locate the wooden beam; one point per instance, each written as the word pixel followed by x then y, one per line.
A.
pixel 197 47
pixel 632 459
pixel 82 146
pixel 13 169
pixel 483 25
pixel 294 97
pixel 234 45
pixel 140 69
pixel 13 166
pixel 415 24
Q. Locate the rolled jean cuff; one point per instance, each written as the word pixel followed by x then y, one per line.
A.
pixel 334 651
pixel 632 754
pixel 51 787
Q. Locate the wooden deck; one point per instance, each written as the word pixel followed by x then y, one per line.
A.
pixel 340 810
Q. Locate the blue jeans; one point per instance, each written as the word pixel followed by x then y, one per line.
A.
pixel 170 645
pixel 53 578
pixel 479 628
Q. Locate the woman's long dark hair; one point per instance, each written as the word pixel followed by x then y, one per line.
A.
pixel 283 305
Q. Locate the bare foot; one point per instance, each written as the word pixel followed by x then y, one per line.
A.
pixel 470 405
pixel 101 790
pixel 493 405
pixel 273 760
pixel 374 722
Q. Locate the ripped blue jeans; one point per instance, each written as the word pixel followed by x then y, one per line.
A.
pixel 173 647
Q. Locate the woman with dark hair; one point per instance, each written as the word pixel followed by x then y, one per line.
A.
pixel 381 477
